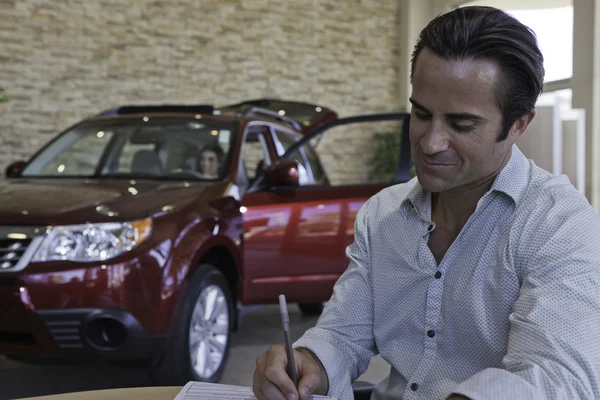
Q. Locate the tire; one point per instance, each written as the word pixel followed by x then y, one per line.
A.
pixel 181 363
pixel 311 309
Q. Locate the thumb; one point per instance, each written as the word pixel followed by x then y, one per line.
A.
pixel 310 376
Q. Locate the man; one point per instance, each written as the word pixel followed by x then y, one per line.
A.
pixel 480 279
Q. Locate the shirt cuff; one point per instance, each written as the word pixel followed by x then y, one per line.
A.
pixel 497 384
pixel 332 358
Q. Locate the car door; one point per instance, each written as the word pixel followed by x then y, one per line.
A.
pixel 295 238
pixel 271 222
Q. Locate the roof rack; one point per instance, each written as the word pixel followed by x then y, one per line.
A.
pixel 306 116
pixel 166 108
pixel 283 118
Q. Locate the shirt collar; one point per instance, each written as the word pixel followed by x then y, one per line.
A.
pixel 418 199
pixel 512 181
pixel 514 178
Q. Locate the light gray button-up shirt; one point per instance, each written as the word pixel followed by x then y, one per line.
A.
pixel 512 311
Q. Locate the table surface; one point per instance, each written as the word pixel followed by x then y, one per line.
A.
pixel 146 393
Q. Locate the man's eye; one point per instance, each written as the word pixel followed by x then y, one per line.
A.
pixel 422 116
pixel 462 128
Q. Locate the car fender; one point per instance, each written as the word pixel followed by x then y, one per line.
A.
pixel 208 249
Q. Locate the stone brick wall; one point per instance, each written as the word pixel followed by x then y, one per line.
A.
pixel 63 60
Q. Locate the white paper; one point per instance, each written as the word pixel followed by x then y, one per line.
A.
pixel 215 391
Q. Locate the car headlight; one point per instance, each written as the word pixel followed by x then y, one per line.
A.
pixel 92 242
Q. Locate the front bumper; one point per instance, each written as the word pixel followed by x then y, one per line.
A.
pixel 79 333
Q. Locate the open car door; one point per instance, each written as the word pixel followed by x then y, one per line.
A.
pixel 295 234
pixel 305 117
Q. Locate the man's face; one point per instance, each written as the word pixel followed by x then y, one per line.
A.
pixel 455 123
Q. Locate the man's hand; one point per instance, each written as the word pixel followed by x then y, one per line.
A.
pixel 271 381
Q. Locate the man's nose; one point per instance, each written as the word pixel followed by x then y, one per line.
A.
pixel 435 140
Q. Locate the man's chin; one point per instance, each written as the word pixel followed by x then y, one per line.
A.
pixel 431 184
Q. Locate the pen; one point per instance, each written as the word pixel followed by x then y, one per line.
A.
pixel 285 320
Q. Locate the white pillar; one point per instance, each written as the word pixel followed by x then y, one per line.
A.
pixel 586 87
pixel 594 109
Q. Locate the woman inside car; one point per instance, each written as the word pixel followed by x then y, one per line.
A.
pixel 210 161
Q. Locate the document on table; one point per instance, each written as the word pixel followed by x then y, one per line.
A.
pixel 215 391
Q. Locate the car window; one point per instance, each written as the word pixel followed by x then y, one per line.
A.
pixel 166 148
pixel 284 140
pixel 360 153
pixel 128 152
pixel 313 161
pixel 255 154
pixel 83 157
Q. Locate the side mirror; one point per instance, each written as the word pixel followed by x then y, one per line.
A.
pixel 14 170
pixel 283 173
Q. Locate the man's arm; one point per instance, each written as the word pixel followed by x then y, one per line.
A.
pixel 343 338
pixel 554 341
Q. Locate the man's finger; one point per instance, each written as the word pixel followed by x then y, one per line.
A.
pixel 279 377
pixel 257 383
pixel 263 388
pixel 259 394
pixel 271 392
pixel 275 366
pixel 310 375
pixel 308 384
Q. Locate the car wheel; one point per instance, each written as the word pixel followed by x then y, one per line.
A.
pixel 311 309
pixel 199 348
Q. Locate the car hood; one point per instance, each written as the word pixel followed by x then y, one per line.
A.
pixel 75 201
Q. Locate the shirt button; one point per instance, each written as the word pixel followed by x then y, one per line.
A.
pixel 438 275
pixel 414 387
pixel 430 228
pixel 431 333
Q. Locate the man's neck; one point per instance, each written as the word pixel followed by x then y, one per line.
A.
pixel 453 208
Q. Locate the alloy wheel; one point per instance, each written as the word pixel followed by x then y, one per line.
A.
pixel 208 333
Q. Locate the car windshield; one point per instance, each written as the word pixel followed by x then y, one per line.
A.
pixel 152 147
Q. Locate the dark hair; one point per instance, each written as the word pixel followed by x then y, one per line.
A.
pixel 215 148
pixel 478 32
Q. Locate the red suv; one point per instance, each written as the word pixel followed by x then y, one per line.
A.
pixel 137 234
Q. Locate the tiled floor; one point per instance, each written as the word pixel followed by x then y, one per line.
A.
pixel 260 328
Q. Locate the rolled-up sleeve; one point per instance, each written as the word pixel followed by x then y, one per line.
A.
pixel 554 342
pixel 343 337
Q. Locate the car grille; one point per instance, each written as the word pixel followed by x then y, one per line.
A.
pixel 11 251
pixel 66 333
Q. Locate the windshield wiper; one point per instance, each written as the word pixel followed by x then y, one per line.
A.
pixel 127 175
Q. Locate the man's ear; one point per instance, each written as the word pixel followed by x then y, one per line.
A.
pixel 520 125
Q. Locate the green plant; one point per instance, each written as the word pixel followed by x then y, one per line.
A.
pixel 387 155
pixel 3 97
